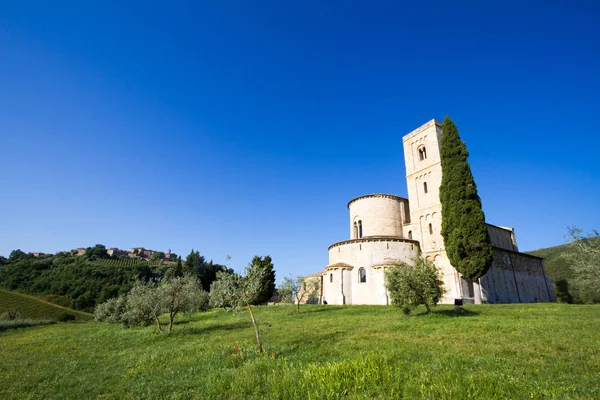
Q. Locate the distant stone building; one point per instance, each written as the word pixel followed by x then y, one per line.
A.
pixel 385 229
pixel 136 252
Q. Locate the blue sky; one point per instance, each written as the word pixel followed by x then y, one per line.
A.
pixel 238 128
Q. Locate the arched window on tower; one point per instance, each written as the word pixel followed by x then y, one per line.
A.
pixel 422 153
pixel 362 275
pixel 425 187
pixel 430 229
pixel 359 229
pixel 330 278
pixel 355 230
pixel 410 235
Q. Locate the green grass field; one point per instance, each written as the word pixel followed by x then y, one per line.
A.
pixel 34 308
pixel 493 351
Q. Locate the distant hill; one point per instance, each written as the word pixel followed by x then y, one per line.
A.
pixel 35 308
pixel 557 266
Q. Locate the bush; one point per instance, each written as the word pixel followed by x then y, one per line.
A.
pixel 146 302
pixel 224 292
pixel 412 285
pixel 23 323
pixel 12 315
pixel 112 310
pixel 65 317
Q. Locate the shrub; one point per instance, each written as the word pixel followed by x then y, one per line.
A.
pixel 412 285
pixel 112 310
pixel 12 315
pixel 65 317
pixel 224 292
pixel 146 302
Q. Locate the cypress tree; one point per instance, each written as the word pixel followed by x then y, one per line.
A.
pixel 463 223
pixel 261 269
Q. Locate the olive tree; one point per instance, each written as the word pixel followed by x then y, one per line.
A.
pixel 250 288
pixel 146 302
pixel 225 291
pixel 301 288
pixel 411 285
pixel 181 295
pixel 583 254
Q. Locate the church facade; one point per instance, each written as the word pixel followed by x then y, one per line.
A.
pixel 385 229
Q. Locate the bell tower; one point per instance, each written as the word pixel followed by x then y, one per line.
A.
pixel 423 179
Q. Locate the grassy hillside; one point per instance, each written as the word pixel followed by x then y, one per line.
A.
pixel 519 351
pixel 34 308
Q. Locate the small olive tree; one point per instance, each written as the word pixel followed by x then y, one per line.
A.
pixel 182 295
pixel 412 285
pixel 583 255
pixel 301 288
pixel 146 302
pixel 225 291
pixel 250 288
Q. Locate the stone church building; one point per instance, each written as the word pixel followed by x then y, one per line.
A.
pixel 385 228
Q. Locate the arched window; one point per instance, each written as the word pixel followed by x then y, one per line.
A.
pixel 425 187
pixel 430 229
pixel 410 235
pixel 362 275
pixel 331 278
pixel 422 153
pixel 359 229
pixel 355 230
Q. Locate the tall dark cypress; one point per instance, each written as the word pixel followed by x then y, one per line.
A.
pixel 463 223
pixel 263 267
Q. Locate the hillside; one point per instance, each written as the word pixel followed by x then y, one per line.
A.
pixel 34 308
pixel 517 351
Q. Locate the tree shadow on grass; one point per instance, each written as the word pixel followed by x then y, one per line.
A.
pixel 218 327
pixel 448 313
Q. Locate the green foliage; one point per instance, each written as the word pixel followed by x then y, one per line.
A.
pixel 146 302
pixel 464 230
pixel 512 351
pixel 30 307
pixel 300 289
pixel 143 306
pixel 184 295
pixel 24 323
pixel 559 267
pixel 205 271
pixel 157 256
pixel 96 252
pixel 112 311
pixel 65 317
pixel 410 286
pixel 11 315
pixel 260 271
pixel 76 282
pixel 584 256
pixel 225 291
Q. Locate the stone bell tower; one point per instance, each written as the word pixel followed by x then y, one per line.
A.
pixel 423 179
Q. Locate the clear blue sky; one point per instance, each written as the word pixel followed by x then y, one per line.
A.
pixel 238 128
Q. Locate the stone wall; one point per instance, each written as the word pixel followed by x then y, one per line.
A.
pixel 516 278
pixel 342 285
pixel 380 215
pixel 502 237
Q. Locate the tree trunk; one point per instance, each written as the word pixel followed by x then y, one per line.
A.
pixel 158 324
pixel 427 307
pixel 298 306
pixel 260 347
pixel 171 318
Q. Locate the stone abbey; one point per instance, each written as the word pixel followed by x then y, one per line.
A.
pixel 385 229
